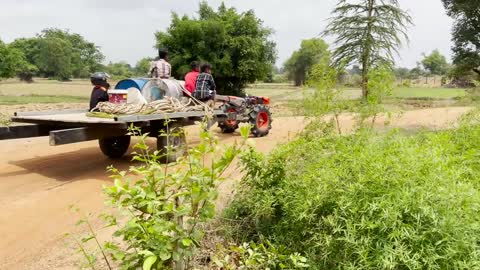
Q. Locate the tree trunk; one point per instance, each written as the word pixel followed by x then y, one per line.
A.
pixel 366 51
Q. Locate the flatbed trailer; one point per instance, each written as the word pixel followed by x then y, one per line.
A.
pixel 73 126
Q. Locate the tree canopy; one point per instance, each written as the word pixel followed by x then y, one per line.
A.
pixel 368 32
pixel 435 63
pixel 311 52
pixel 466 38
pixel 12 61
pixel 59 53
pixel 236 44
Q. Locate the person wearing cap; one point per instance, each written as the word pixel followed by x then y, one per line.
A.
pixel 100 88
pixel 191 77
pixel 161 69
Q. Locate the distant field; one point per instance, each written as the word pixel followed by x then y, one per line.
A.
pixel 50 91
pixel 440 93
pixel 42 87
pixel 17 100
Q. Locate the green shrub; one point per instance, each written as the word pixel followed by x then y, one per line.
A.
pixel 368 201
pixel 257 256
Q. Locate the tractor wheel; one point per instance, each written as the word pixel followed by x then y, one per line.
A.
pixel 261 121
pixel 173 146
pixel 229 125
pixel 114 147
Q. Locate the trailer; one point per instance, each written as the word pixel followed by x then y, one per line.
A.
pixel 73 126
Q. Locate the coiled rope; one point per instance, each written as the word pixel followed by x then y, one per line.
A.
pixel 165 105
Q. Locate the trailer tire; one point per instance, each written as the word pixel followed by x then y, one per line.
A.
pixel 261 121
pixel 173 146
pixel 114 147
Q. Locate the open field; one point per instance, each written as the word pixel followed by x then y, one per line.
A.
pixel 17 100
pixel 81 88
pixel 43 87
pixel 436 93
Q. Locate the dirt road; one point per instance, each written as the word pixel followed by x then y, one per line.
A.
pixel 39 182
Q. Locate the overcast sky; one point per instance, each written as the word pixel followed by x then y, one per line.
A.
pixel 124 29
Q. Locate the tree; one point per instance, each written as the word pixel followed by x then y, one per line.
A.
pixel 311 52
pixel 142 67
pixel 466 31
pixel 416 72
pixel 12 61
pixel 120 70
pixel 368 32
pixel 401 73
pixel 435 63
pixel 236 44
pixel 85 56
pixel 55 58
pixel 29 47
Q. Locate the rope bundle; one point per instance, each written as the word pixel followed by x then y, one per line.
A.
pixel 165 105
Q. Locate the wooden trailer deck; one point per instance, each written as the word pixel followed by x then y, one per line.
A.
pixel 79 118
pixel 73 126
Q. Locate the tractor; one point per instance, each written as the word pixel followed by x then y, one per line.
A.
pixel 250 109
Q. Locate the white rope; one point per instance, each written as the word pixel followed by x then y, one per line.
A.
pixel 165 105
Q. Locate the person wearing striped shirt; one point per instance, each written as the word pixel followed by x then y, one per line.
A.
pixel 161 69
pixel 205 87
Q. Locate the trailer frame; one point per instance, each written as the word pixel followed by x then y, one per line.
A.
pixel 73 126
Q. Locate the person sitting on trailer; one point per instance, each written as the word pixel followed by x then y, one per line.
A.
pixel 205 87
pixel 161 69
pixel 101 86
pixel 191 77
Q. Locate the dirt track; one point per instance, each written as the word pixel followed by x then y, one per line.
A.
pixel 39 182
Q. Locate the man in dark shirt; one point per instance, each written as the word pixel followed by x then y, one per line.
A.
pixel 101 86
pixel 205 86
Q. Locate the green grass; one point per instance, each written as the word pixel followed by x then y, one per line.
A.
pixel 42 87
pixel 437 93
pixel 17 100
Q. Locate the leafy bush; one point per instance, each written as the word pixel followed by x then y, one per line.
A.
pixel 368 201
pixel 257 256
pixel 165 205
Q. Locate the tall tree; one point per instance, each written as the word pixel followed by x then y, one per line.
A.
pixel 466 37
pixel 368 32
pixel 55 58
pixel 236 44
pixel 311 52
pixel 12 61
pixel 28 46
pixel 401 73
pixel 435 63
pixel 85 56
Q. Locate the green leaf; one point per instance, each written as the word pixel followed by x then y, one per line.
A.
pixel 149 261
pixel 165 256
pixel 187 242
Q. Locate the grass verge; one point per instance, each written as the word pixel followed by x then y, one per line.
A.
pixel 17 100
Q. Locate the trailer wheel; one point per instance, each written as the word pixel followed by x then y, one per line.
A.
pixel 173 146
pixel 114 147
pixel 261 121
pixel 229 125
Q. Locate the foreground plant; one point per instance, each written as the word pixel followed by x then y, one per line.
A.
pixel 166 205
pixel 4 120
pixel 257 256
pixel 368 201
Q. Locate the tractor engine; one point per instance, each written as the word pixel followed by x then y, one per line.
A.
pixel 251 109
